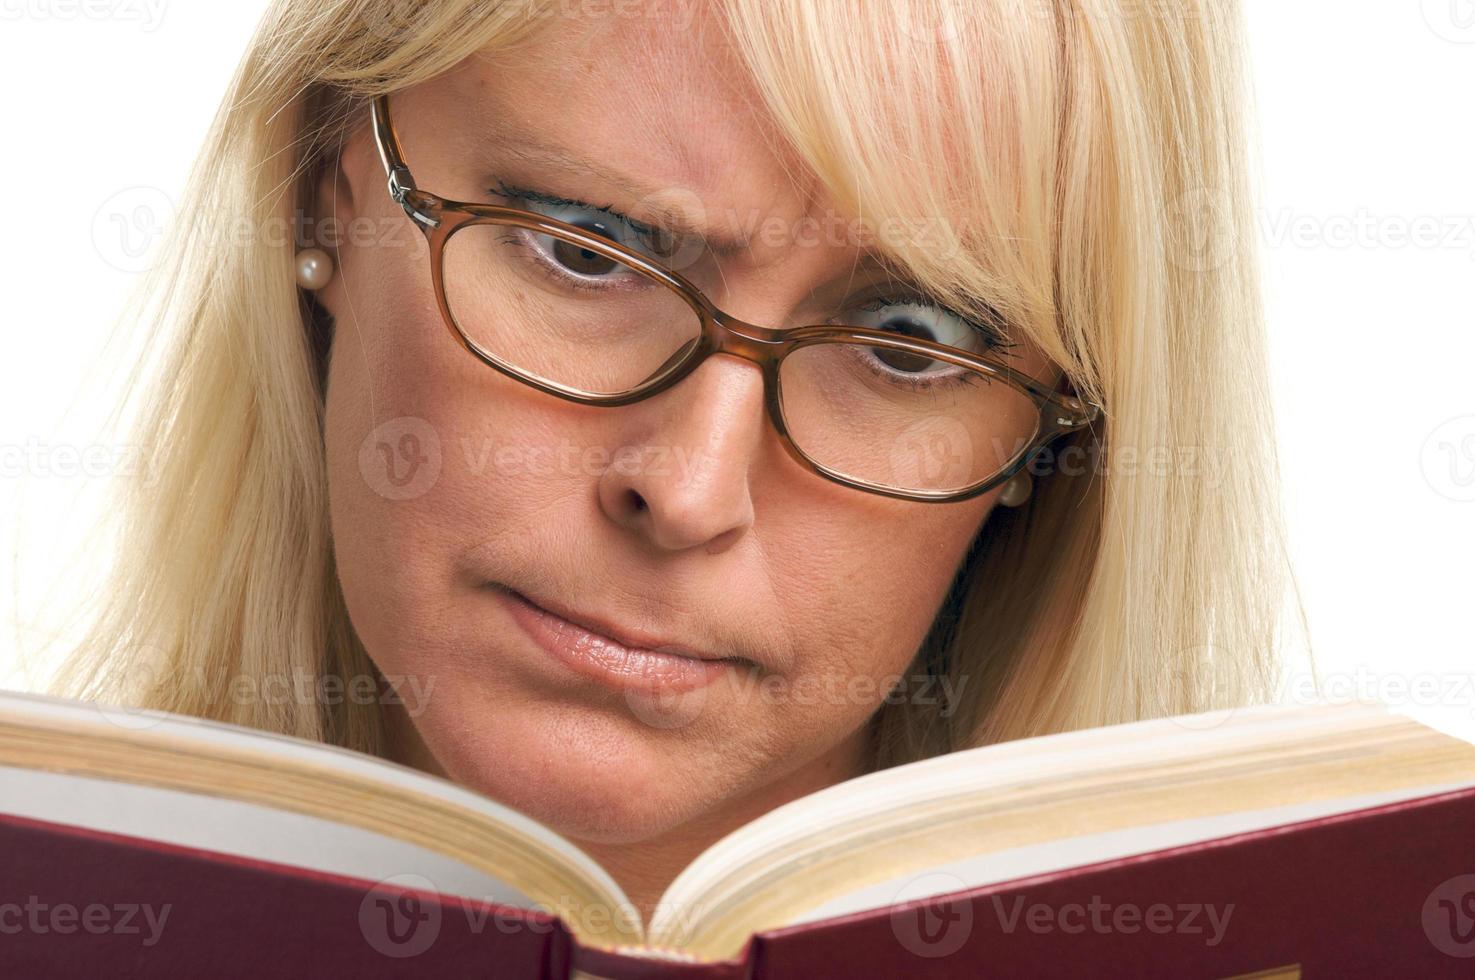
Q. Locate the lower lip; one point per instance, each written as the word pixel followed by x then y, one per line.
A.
pixel 602 659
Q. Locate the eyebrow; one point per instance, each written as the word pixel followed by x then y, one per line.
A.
pixel 675 221
pixel 669 222
pixel 649 218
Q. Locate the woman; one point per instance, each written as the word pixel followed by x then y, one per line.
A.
pixel 486 415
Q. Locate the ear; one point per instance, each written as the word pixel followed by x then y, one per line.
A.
pixel 329 221
pixel 330 215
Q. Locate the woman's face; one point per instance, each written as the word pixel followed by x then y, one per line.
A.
pixel 678 521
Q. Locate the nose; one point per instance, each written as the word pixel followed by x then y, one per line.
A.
pixel 681 479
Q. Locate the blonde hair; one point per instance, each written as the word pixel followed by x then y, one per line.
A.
pixel 1086 164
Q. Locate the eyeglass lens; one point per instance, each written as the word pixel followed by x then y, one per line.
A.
pixel 551 309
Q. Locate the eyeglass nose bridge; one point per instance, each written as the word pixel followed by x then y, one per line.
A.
pixel 763 346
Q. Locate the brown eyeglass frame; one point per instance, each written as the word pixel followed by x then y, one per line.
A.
pixel 438 219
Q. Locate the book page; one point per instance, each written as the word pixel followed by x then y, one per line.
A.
pixel 246 830
pixel 1075 852
pixel 349 790
pixel 863 834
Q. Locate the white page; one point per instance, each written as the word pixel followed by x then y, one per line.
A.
pixel 1073 852
pixel 242 829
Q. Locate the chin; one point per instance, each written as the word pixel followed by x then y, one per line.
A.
pixel 589 773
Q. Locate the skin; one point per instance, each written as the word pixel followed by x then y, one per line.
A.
pixel 740 550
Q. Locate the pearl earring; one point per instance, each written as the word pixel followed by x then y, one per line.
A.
pixel 1016 490
pixel 314 268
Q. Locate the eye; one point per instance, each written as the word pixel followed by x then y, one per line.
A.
pixel 924 319
pixel 607 223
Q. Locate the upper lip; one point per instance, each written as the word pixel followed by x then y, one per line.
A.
pixel 634 638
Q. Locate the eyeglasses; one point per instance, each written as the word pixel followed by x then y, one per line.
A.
pixel 578 315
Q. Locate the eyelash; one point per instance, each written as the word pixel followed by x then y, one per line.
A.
pixel 524 196
pixel 519 241
pixel 918 382
pixel 994 341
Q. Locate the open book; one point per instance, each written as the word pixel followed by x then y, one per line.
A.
pixel 1039 810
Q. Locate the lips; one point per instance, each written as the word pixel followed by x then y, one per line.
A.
pixel 628 638
pixel 618 657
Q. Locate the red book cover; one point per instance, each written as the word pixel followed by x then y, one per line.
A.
pixel 1382 892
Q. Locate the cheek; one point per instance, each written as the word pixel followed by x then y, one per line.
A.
pixel 385 453
pixel 885 578
pixel 414 428
pixel 433 459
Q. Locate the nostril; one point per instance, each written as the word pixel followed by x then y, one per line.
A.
pixel 637 502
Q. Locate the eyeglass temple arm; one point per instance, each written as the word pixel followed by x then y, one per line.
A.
pixel 401 183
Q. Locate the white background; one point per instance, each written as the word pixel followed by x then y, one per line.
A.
pixel 1367 222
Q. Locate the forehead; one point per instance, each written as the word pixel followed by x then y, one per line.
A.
pixel 667 107
pixel 663 103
